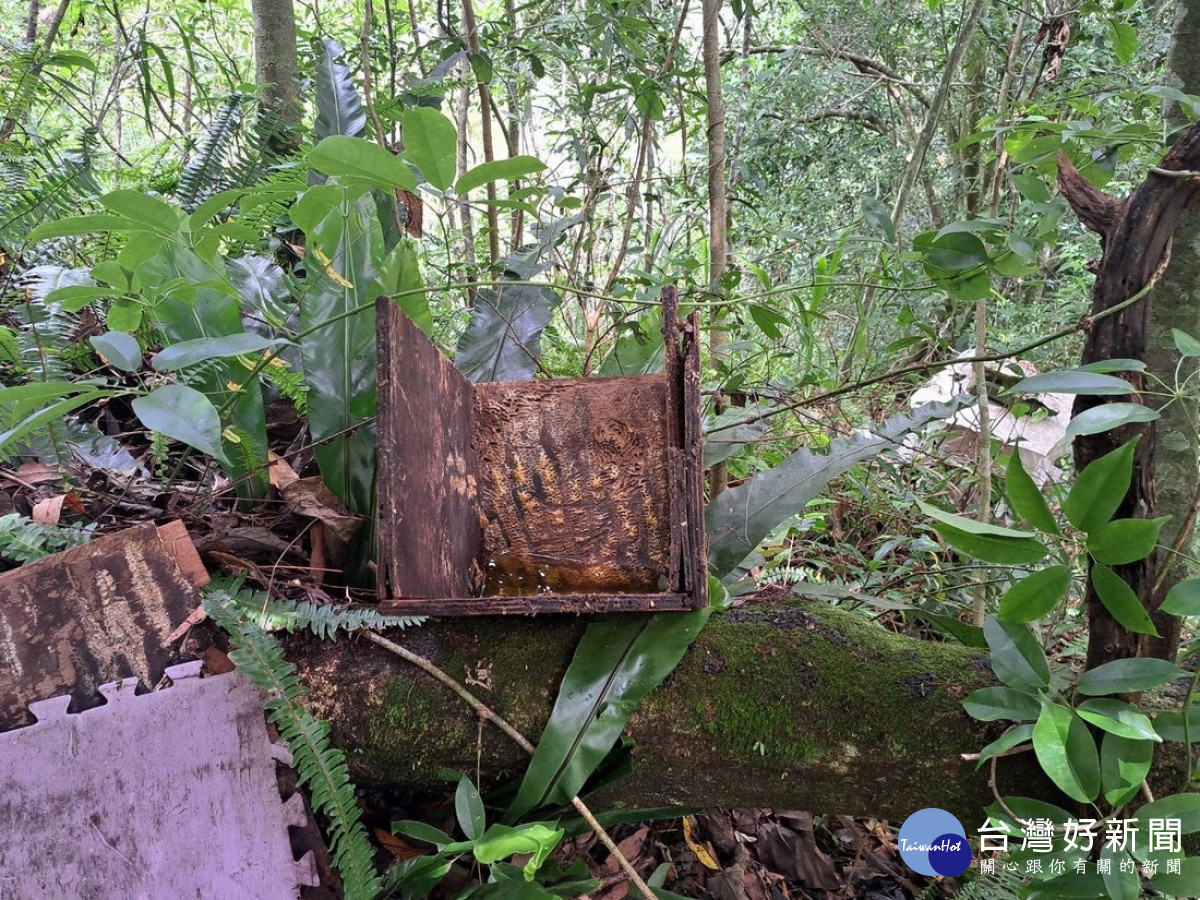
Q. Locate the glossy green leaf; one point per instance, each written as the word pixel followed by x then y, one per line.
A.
pixel 1124 41
pixel 1030 186
pixel 956 252
pixel 617 662
pixel 1183 884
pixel 502 841
pixel 422 832
pixel 1128 676
pixel 1067 753
pixel 1121 880
pixel 1124 541
pixel 1119 718
pixel 1073 381
pixel 1035 595
pixel 995 703
pixel 1026 499
pixel 1100 488
pixel 1121 601
pixel 1183 599
pixel 1184 807
pixel 1108 416
pixel 75 297
pixel 431 144
pixel 1187 345
pixel 1105 366
pixel 199 350
pixel 343 252
pixel 339 108
pixel 991 546
pixel 183 413
pixel 120 349
pixel 1124 764
pixel 499 170
pixel 1017 657
pixel 146 211
pixel 739 518
pixel 1168 724
pixel 1014 737
pixel 468 807
pixel 361 159
pixel 502 342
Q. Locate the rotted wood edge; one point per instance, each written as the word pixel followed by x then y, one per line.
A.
pixel 578 604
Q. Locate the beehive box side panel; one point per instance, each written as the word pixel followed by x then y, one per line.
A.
pixel 429 527
pixel 573 485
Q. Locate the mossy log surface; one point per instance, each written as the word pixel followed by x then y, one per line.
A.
pixel 786 704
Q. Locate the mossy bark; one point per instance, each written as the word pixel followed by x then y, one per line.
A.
pixel 786 704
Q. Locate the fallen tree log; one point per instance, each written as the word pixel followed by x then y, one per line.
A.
pixel 780 703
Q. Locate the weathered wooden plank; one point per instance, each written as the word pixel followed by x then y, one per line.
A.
pixel 573 477
pixel 430 538
pixel 538 603
pixel 87 616
pixel 178 543
pixel 696 556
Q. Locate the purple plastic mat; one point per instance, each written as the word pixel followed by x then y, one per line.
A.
pixel 167 795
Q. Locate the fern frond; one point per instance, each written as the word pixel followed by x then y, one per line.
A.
pixel 321 766
pixel 322 619
pixel 205 173
pixel 41 185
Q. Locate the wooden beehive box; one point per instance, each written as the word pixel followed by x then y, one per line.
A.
pixel 562 495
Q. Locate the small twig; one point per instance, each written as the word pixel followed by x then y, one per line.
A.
pixel 486 714
pixel 1181 174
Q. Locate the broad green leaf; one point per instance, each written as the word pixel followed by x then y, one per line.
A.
pixel 400 279
pixel 1067 753
pixel 468 807
pixel 617 662
pixel 1183 599
pixel 1070 886
pixel 1108 416
pixel 1184 807
pixel 971 526
pixel 1121 601
pixel 344 248
pixel 1119 718
pixel 1025 498
pixel 879 218
pixel 1184 884
pixel 1100 488
pixel 767 320
pixel 361 159
pixel 739 518
pixel 76 296
pixel 124 314
pixel 198 350
pixel 502 841
pixel 1073 381
pixel 991 547
pixel 339 108
pixel 500 170
pixel 1017 658
pixel 502 342
pixel 185 414
pixel 1014 737
pixel 148 212
pixel 1187 345
pixel 957 252
pixel 1124 764
pixel 1105 366
pixel 73 225
pixel 1128 676
pixel 1124 41
pixel 431 144
pixel 1030 186
pixel 120 349
pixel 1121 880
pixel 1168 724
pixel 422 832
pixel 1035 595
pixel 1124 541
pixel 995 703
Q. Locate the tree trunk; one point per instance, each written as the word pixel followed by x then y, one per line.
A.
pixel 1135 234
pixel 1176 302
pixel 782 703
pixel 277 71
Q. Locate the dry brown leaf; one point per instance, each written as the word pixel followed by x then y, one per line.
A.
pixel 312 498
pixel 48 512
pixel 36 473
pixel 280 471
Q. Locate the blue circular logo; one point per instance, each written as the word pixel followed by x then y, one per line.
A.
pixel 933 842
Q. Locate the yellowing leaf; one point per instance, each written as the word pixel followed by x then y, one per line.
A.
pixel 329 270
pixel 701 850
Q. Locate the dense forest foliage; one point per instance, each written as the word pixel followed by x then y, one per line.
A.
pixel 949 383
